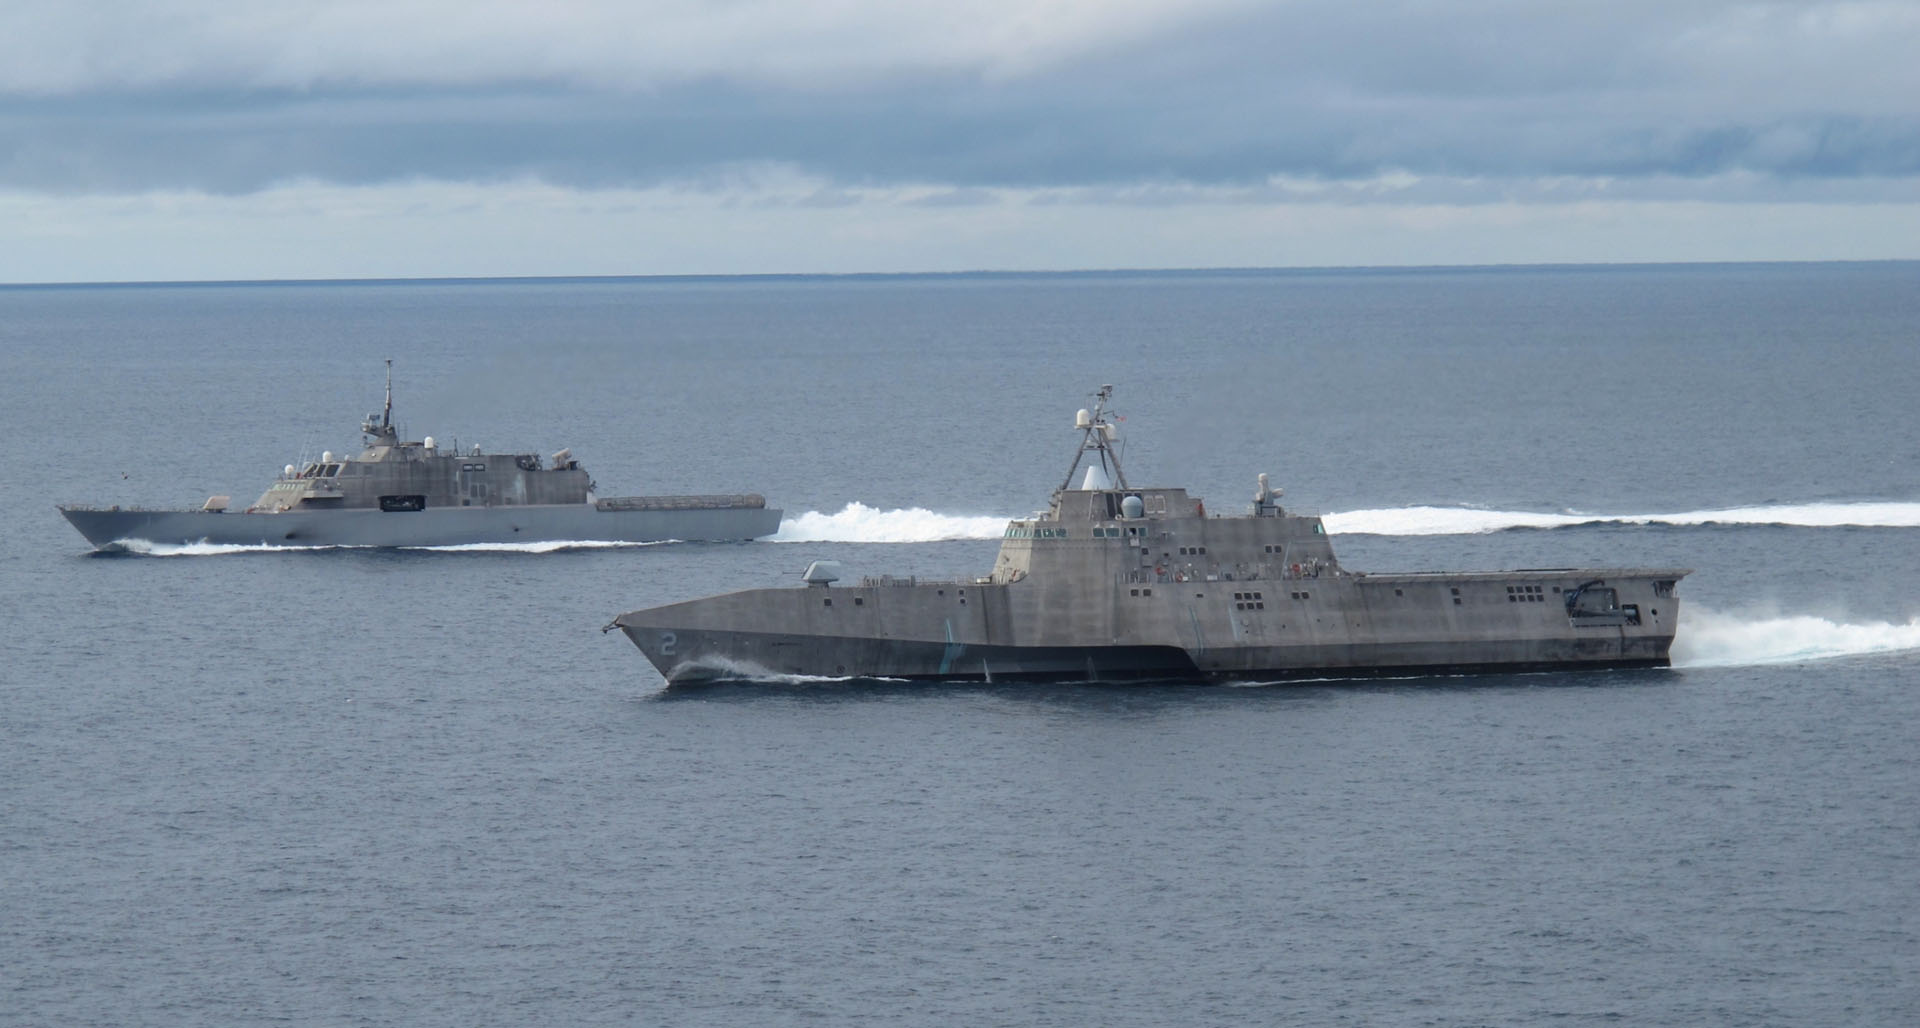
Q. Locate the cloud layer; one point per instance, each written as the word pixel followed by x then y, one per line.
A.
pixel 1504 96
pixel 168 139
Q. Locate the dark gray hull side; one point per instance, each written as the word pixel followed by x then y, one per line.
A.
pixel 684 656
pixel 450 526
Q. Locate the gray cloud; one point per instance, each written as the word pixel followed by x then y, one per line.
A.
pixel 1227 96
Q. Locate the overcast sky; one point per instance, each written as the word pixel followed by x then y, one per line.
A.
pixel 171 140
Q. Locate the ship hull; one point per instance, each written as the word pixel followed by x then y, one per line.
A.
pixel 755 656
pixel 110 529
pixel 984 633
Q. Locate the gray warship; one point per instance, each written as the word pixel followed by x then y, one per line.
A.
pixel 409 494
pixel 1114 582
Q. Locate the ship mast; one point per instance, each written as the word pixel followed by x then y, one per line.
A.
pixel 382 430
pixel 1097 435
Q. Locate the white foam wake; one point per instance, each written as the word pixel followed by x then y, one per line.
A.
pixel 712 669
pixel 859 523
pixel 1470 521
pixel 1708 638
pixel 203 549
pixel 549 546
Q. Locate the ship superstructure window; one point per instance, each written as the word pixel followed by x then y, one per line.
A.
pixel 1249 601
pixel 1192 551
pixel 1525 594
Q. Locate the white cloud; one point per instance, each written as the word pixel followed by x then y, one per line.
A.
pixel 61 47
pixel 195 139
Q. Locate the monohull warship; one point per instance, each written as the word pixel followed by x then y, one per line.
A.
pixel 1116 582
pixel 398 493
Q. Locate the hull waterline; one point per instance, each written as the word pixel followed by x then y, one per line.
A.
pixel 112 529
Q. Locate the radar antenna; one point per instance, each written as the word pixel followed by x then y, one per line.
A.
pixel 1097 436
pixel 382 430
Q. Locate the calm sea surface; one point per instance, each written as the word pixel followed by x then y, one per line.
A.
pixel 422 788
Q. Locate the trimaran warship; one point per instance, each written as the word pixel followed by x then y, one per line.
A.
pixel 1116 582
pixel 398 493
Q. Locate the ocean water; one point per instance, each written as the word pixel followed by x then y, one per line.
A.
pixel 422 787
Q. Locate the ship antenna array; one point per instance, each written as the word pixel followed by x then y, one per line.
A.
pixel 383 428
pixel 1097 435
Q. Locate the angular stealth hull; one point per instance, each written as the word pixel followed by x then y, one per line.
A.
pixel 1124 583
pixel 449 526
pixel 1353 626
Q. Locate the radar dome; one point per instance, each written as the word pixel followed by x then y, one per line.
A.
pixel 1132 507
pixel 1082 418
pixel 289 471
pixel 820 572
pixel 326 456
pixel 428 443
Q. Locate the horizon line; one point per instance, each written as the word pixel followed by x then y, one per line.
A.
pixel 1118 272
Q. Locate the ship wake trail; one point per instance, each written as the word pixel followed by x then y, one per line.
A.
pixel 859 523
pixel 1712 639
pixel 144 548
pixel 1472 521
